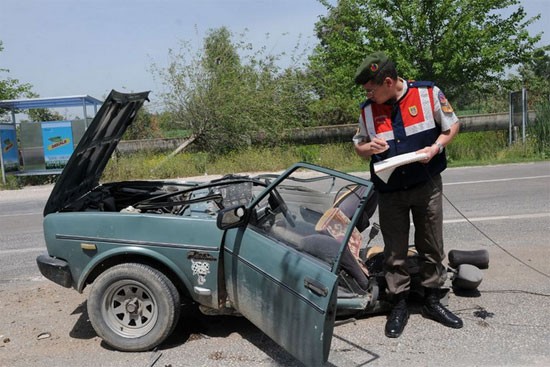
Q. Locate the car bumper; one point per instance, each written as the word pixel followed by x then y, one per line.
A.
pixel 56 270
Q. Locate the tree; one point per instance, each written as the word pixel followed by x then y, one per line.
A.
pixel 535 76
pixel 460 44
pixel 42 114
pixel 334 60
pixel 146 126
pixel 11 88
pixel 228 95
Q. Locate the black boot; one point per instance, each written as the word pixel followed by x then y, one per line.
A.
pixel 397 319
pixel 433 309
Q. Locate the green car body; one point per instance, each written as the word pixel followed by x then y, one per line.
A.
pixel 241 245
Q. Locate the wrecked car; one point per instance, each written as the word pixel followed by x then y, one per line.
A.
pixel 288 252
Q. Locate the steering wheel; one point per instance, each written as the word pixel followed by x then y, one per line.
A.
pixel 281 205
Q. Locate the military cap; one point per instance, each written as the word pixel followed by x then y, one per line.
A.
pixel 370 67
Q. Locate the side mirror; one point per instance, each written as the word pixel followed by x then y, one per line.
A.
pixel 232 217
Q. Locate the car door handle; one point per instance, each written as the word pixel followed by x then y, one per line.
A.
pixel 316 287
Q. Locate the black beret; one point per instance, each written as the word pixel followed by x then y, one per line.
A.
pixel 368 69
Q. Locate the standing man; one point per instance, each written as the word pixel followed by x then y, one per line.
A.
pixel 401 117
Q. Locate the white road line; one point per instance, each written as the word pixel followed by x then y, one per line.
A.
pixel 502 217
pixel 22 250
pixel 496 180
pixel 20 214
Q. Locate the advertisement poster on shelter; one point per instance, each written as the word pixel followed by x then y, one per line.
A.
pixel 10 152
pixel 57 137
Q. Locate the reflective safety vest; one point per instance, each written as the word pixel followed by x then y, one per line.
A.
pixel 407 126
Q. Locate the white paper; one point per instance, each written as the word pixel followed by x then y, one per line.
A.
pixel 385 168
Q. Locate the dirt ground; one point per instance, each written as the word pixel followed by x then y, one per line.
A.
pixel 34 327
pixel 42 324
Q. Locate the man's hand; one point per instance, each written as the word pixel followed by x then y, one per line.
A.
pixel 375 146
pixel 431 151
pixel 378 145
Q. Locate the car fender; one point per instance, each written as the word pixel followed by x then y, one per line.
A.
pixel 126 251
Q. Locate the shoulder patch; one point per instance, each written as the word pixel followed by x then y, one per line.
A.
pixel 445 105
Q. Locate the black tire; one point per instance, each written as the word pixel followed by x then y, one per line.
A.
pixel 133 307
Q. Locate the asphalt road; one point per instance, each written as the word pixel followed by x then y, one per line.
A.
pixel 504 209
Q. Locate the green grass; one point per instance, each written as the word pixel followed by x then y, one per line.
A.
pixel 482 148
pixel 152 166
pixel 468 149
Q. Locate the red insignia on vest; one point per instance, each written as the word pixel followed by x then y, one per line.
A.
pixel 413 111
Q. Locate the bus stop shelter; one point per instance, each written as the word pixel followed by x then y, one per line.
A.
pixel 10 155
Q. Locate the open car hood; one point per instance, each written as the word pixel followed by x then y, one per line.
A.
pixel 86 164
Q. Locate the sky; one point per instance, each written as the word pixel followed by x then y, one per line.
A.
pixel 88 47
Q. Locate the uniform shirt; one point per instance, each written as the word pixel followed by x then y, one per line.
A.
pixel 443 114
pixel 413 122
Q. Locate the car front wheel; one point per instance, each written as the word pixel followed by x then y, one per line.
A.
pixel 133 307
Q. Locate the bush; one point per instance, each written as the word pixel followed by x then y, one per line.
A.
pixel 12 183
pixel 539 131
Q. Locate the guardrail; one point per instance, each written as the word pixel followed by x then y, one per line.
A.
pixel 337 133
pixel 332 133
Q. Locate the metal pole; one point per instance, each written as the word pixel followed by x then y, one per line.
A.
pixel 2 164
pixel 511 117
pixel 85 116
pixel 524 112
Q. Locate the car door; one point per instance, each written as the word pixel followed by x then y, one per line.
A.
pixel 289 296
pixel 274 282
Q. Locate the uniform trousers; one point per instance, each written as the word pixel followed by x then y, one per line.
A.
pixel 424 202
